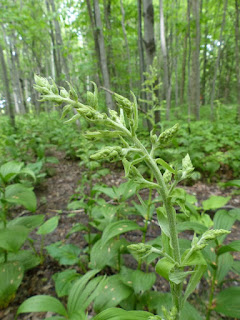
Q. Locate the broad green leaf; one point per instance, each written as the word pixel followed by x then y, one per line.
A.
pixel 164 267
pixel 232 246
pixel 67 254
pixel 179 276
pixel 215 202
pixel 9 170
pixel 233 183
pixel 76 228
pixel 12 238
pixel 138 280
pixel 112 294
pixel 19 194
pixel 27 258
pixel 84 291
pixel 108 191
pixel 163 221
pixel 196 258
pixel 194 280
pixel 189 312
pixel 11 274
pixel 191 225
pixel 42 303
pixel 30 222
pixel 64 281
pixel 29 172
pixel 236 267
pixel 225 262
pixel 116 228
pixel 48 226
pixel 120 314
pixel 223 220
pixel 227 302
pixel 107 255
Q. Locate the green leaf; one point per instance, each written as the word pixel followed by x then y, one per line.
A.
pixel 223 220
pixel 164 267
pixel 84 291
pixel 9 170
pixel 233 183
pixel 163 221
pixel 194 280
pixel 227 302
pixel 64 281
pixel 116 228
pixel 107 255
pixel 49 226
pixel 165 165
pixel 12 238
pixel 215 202
pixel 113 293
pixel 196 258
pixel 232 246
pixel 179 276
pixel 19 194
pixel 189 312
pixel 191 225
pixel 225 262
pixel 120 314
pixel 138 280
pixel 30 222
pixel 27 258
pixel 67 254
pixel 11 274
pixel 42 303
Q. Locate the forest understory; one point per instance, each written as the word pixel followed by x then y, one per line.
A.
pixel 53 196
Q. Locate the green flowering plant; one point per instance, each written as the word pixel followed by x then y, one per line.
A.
pixel 173 265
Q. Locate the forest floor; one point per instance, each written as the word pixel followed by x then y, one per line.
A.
pixel 53 196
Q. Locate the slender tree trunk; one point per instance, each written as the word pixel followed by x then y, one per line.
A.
pixel 218 59
pixel 103 57
pixel 176 57
pixel 149 41
pixel 189 60
pixel 183 74
pixel 195 75
pixel 237 41
pixel 126 45
pixel 140 42
pixel 94 33
pixel 167 82
pixel 7 88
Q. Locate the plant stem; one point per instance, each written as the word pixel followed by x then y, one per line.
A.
pixel 213 284
pixel 171 215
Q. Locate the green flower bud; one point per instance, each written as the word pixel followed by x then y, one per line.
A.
pixel 168 134
pixel 140 249
pixel 92 100
pixel 64 93
pixel 167 176
pixel 124 104
pixel 41 82
pixel 66 110
pixel 187 167
pixel 208 236
pixel 110 153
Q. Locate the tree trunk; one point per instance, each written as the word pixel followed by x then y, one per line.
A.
pixel 195 74
pixel 126 45
pixel 103 57
pixel 148 14
pixel 94 33
pixel 140 44
pixel 218 60
pixel 7 88
pixel 184 62
pixel 189 60
pixel 237 41
pixel 167 82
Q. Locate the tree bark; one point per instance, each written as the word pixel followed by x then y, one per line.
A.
pixel 167 82
pixel 237 41
pixel 195 74
pixel 126 45
pixel 7 88
pixel 149 41
pixel 218 59
pixel 140 43
pixel 103 57
pixel 183 73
